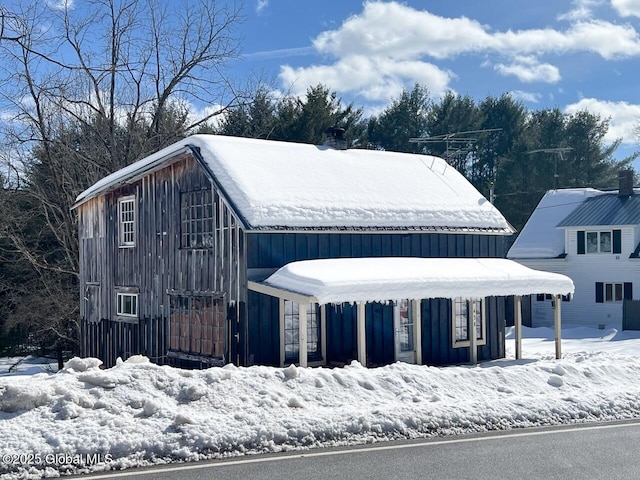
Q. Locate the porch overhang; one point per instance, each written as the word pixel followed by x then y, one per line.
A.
pixel 381 279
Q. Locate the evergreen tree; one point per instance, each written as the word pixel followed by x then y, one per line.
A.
pixel 405 118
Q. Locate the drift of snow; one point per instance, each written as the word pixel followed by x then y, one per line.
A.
pixel 338 280
pixel 138 413
pixel 268 182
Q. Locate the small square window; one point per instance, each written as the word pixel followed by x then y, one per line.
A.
pixel 127 305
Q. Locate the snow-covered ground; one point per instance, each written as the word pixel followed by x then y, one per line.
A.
pixel 136 413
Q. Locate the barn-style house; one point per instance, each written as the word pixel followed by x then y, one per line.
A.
pixel 230 250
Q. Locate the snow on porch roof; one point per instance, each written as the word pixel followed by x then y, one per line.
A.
pixel 339 280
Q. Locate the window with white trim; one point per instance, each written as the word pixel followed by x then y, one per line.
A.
pixel 462 308
pixel 127 305
pixel 292 331
pixel 127 221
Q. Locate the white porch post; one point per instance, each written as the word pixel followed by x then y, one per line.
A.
pixel 362 334
pixel 281 328
pixel 517 321
pixel 323 332
pixel 302 332
pixel 557 326
pixel 417 329
pixel 471 332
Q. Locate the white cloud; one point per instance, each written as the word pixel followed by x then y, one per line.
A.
pixel 386 48
pixel 60 4
pixel 261 5
pixel 627 8
pixel 399 31
pixel 624 117
pixel 376 79
pixel 530 97
pixel 582 10
pixel 527 69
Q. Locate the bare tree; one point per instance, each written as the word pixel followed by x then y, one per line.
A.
pixel 85 91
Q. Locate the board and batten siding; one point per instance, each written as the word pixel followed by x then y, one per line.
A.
pixel 586 270
pixel 156 266
pixel 267 252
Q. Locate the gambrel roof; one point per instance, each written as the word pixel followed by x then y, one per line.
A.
pixel 282 185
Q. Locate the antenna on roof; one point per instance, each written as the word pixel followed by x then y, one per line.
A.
pixel 458 144
pixel 559 151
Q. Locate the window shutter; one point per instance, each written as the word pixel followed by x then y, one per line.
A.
pixel 580 242
pixel 628 291
pixel 617 241
pixel 599 292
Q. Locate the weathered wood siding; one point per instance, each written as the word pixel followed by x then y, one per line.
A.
pixel 272 250
pixel 157 265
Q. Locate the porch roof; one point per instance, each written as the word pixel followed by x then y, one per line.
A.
pixel 339 280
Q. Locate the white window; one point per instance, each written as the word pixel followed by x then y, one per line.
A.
pixel 292 331
pixel 127 305
pixel 598 242
pixel 127 221
pixel 462 308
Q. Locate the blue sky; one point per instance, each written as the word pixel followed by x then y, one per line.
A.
pixel 573 55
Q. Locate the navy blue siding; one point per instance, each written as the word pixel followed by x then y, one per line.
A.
pixel 273 250
pixel 264 337
pixel 341 333
pixel 379 328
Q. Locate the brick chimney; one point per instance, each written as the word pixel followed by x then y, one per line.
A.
pixel 625 183
pixel 335 138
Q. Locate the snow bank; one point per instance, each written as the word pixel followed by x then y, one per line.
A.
pixel 138 413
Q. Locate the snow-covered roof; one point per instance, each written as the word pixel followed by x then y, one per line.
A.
pixel 282 184
pixel 540 237
pixel 339 280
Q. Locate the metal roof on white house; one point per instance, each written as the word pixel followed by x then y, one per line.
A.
pixel 275 184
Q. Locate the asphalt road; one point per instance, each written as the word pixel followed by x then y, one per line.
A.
pixel 595 451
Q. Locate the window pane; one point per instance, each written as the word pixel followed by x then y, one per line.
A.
pixel 592 242
pixel 460 307
pixel 608 292
pixel 605 242
pixel 292 329
pixel 197 219
pixel 618 291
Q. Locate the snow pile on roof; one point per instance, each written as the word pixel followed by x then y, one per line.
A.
pixel 540 238
pixel 138 413
pixel 340 280
pixel 276 184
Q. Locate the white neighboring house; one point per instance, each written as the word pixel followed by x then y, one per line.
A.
pixel 593 237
